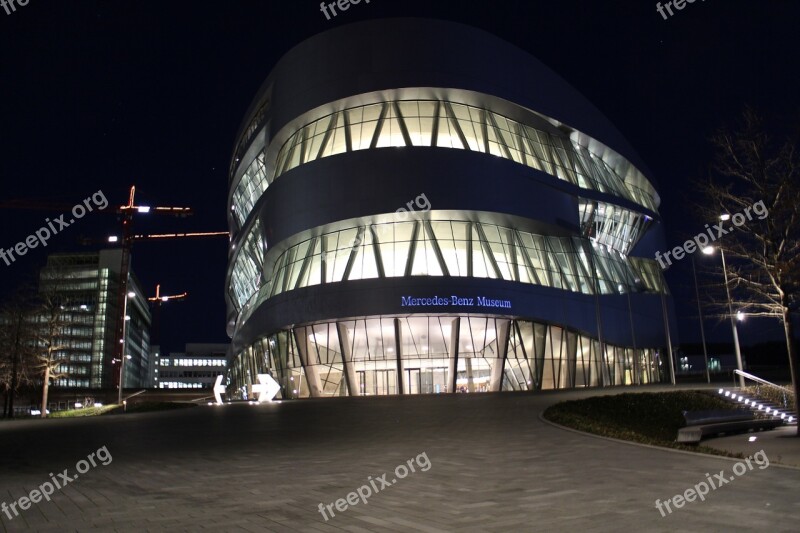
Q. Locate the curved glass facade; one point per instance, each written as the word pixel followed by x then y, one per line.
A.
pixel 248 266
pixel 446 248
pixel 249 189
pixel 441 124
pixel 437 354
pixel 336 281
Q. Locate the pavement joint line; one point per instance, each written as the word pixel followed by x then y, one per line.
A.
pixel 654 447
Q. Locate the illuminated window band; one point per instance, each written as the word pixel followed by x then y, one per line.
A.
pixel 452 248
pixel 246 276
pixel 440 124
pixel 611 225
pixel 428 354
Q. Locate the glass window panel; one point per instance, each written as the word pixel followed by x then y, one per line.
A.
pixel 372 112
pixel 365 266
pixel 391 134
pixel 425 260
pixel 448 136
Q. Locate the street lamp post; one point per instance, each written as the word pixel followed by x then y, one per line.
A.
pixel 124 339
pixel 700 314
pixel 708 250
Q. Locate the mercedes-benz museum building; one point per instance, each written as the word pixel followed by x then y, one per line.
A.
pixel 417 207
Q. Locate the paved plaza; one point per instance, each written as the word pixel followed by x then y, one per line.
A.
pixel 492 465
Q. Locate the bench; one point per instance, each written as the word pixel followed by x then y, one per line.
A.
pixel 703 424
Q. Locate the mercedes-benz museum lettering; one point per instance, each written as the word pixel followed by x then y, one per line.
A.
pixel 480 301
pixel 527 266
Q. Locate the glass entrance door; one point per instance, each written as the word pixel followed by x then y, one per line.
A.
pixel 414 384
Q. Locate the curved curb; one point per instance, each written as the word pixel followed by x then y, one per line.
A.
pixel 651 446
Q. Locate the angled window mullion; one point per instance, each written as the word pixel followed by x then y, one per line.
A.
pixel 289 155
pixel 487 250
pixel 276 275
pixel 485 130
pixel 304 145
pixel 550 151
pixel 566 271
pixel 353 253
pixel 290 254
pixel 323 267
pixel 602 268
pixel 401 121
pixel 581 245
pixel 565 156
pixel 590 214
pixel 456 126
pixel 537 149
pixel 348 138
pixel 306 262
pixel 544 259
pixel 520 137
pixel 499 136
pixel 377 249
pixel 581 163
pixel 328 133
pixel 572 260
pixel 469 250
pixel 622 272
pixel 435 129
pixel 553 260
pixel 630 275
pixel 412 249
pixel 435 245
pixel 523 251
pixel 512 250
pixel 379 126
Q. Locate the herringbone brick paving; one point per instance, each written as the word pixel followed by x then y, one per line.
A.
pixel 494 467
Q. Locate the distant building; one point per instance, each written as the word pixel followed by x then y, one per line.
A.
pixel 87 284
pixel 155 358
pixel 197 367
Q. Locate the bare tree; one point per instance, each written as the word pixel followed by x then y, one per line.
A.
pixel 16 348
pixel 51 323
pixel 755 174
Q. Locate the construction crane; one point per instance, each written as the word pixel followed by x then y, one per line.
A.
pixel 126 241
pixel 157 301
pixel 128 238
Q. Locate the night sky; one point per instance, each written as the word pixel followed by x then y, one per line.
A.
pixel 102 95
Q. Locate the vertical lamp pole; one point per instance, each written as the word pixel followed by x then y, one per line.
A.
pixel 710 250
pixel 124 343
pixel 700 314
pixel 733 322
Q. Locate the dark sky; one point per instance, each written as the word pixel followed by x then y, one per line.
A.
pixel 100 95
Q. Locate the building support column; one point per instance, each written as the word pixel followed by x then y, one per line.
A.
pixel 397 350
pixel 470 382
pixel 498 370
pixel 668 339
pixel 308 358
pixel 347 360
pixel 452 367
pixel 636 373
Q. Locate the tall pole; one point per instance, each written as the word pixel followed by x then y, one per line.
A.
pixel 636 374
pixel 700 314
pixel 598 316
pixel 669 338
pixel 733 322
pixel 124 347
